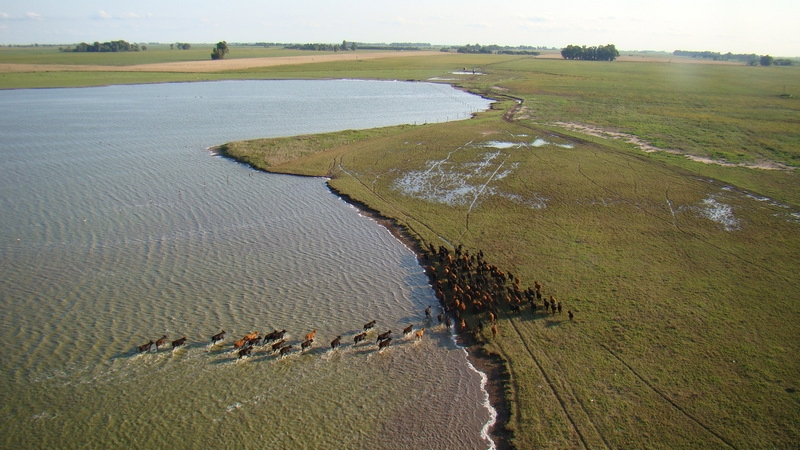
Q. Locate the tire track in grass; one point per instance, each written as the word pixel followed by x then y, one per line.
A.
pixel 558 396
pixel 669 400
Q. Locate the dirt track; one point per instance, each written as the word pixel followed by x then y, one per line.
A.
pixel 212 66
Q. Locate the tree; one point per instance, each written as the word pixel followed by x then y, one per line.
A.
pixel 603 53
pixel 766 60
pixel 220 50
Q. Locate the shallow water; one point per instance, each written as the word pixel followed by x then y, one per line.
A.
pixel 118 226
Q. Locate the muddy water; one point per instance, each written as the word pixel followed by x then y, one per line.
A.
pixel 118 226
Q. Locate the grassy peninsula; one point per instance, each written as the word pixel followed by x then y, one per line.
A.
pixel 682 272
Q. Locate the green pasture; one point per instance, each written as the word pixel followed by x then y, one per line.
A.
pixel 685 330
pixel 682 275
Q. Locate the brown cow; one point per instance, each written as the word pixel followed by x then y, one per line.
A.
pixel 285 350
pixel 311 335
pixel 149 347
pixel 419 333
pixel 276 346
pixel 369 325
pixel 335 343
pixel 408 329
pixel 251 336
pixel 494 330
pixel 179 342
pixel 161 341
pixel 428 311
pixel 245 352
pixel 240 343
pixel 570 315
pixel 384 343
pixel 307 343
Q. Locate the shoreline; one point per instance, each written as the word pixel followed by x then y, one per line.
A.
pixel 491 365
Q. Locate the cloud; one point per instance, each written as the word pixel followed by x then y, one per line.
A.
pixel 102 15
pixel 33 16
pixel 4 15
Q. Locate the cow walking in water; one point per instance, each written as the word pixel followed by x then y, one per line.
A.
pixel 218 337
pixel 369 325
pixel 161 341
pixel 384 343
pixel 419 333
pixel 335 343
pixel 359 337
pixel 276 346
pixel 245 352
pixel 384 336
pixel 306 344
pixel 149 347
pixel 179 342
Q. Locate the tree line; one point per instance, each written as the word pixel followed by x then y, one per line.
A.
pixel 600 53
pixel 324 47
pixel 113 46
pixel 750 58
pixel 487 49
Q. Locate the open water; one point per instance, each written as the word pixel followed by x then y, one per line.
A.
pixel 117 226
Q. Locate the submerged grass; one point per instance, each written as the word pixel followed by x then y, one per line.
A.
pixel 682 275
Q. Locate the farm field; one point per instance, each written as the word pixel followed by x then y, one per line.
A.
pixel 681 272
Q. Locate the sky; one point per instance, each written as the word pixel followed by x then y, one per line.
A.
pixel 738 26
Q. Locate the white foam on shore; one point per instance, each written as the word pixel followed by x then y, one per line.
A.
pixel 486 403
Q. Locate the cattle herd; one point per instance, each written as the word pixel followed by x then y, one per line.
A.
pixel 461 281
pixel 275 343
pixel 465 281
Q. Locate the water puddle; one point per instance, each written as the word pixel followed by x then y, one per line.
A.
pixel 719 213
pixel 454 182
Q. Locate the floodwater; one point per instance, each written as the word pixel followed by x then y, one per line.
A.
pixel 118 226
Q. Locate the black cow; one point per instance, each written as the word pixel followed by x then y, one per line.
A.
pixel 384 336
pixel 218 337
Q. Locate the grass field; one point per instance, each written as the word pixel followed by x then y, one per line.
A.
pixel 155 53
pixel 682 275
